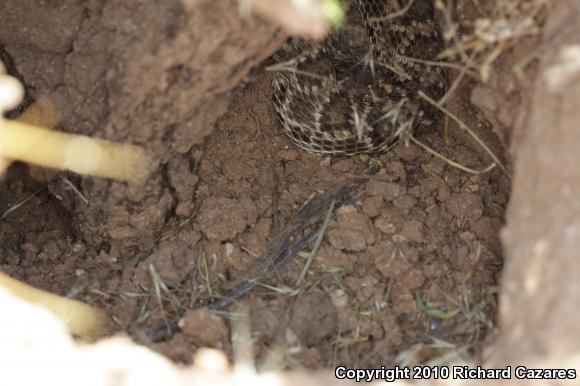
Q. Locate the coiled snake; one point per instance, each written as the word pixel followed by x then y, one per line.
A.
pixel 357 91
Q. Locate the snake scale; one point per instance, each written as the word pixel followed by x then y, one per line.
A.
pixel 357 90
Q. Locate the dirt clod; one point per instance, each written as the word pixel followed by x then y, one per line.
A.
pixel 466 205
pixel 223 218
pixel 204 328
pixel 172 262
pixel 351 230
pixel 313 318
pixel 388 190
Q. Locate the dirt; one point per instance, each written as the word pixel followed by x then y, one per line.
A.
pixel 414 262
pixel 542 231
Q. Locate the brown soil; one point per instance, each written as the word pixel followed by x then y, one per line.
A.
pixel 422 231
pixel 540 284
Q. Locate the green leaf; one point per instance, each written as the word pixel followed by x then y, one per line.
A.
pixel 334 11
pixel 434 312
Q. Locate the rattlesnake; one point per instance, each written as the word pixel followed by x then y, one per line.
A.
pixel 357 91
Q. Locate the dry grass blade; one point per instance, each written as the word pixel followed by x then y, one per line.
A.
pixel 454 66
pixel 467 129
pixel 450 162
pixel 393 15
pixel 456 82
pixel 74 189
pixel 317 243
pixel 242 339
pixel 287 67
pixel 205 273
pixel 19 204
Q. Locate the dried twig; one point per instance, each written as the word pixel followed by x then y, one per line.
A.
pixel 467 129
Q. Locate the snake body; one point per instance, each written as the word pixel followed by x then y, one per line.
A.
pixel 357 91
